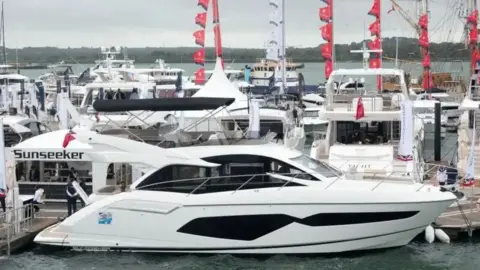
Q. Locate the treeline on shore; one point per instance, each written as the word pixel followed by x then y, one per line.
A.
pixel 408 49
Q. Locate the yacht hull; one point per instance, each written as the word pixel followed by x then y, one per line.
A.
pixel 244 228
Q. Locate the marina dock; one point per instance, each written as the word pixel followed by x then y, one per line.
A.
pixel 24 237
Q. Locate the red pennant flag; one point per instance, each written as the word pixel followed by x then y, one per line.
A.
pixel 199 56
pixel 375 28
pixel 199 37
pixel 360 110
pixel 203 3
pixel 427 80
pixel 423 21
pixel 201 19
pixel 326 31
pixel 200 76
pixel 325 14
pixel 375 44
pixel 473 18
pixel 375 10
pixel 216 17
pixel 326 50
pixel 218 41
pixel 423 39
pixel 473 36
pixel 328 68
pixel 68 138
pixel 426 61
pixel 374 63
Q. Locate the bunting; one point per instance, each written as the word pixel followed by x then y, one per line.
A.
pixel 216 31
pixel 472 23
pixel 376 44
pixel 199 36
pixel 424 43
pixel 326 15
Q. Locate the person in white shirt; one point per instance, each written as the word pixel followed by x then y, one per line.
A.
pixel 38 197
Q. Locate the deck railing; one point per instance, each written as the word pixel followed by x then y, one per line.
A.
pixel 15 222
pixel 346 101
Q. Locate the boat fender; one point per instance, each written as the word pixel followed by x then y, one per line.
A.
pixel 429 234
pixel 442 236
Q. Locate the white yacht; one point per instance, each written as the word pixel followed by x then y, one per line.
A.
pixel 369 144
pixel 424 109
pixel 275 116
pixel 449 105
pixel 248 199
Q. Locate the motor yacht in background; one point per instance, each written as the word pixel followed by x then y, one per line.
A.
pixel 369 144
pixel 425 110
pixel 449 104
pixel 194 190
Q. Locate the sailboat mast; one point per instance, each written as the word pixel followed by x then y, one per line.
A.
pixel 283 50
pixel 3 38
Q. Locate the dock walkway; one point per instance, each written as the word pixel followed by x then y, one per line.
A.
pixel 24 237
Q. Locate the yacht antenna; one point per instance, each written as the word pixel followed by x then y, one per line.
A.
pixel 283 50
pixel 3 38
pixel 366 54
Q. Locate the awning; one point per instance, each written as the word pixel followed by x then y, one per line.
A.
pixel 161 104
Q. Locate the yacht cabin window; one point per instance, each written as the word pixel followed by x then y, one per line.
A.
pixel 367 132
pixel 234 172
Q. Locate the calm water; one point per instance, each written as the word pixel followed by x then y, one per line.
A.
pixel 416 256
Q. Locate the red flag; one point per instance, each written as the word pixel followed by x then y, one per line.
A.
pixel 375 10
pixel 374 63
pixel 473 18
pixel 216 17
pixel 391 10
pixel 423 39
pixel 218 41
pixel 426 61
pixel 328 68
pixel 203 3
pixel 427 80
pixel 473 36
pixel 199 56
pixel 326 31
pixel 374 44
pixel 201 19
pixel 68 138
pixel 375 28
pixel 325 14
pixel 423 21
pixel 200 76
pixel 199 37
pixel 360 110
pixel 326 50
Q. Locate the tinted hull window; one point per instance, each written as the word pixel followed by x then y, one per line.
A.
pixel 251 227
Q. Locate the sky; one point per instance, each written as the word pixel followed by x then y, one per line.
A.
pixel 170 23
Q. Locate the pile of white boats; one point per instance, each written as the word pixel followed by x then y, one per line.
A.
pixel 216 192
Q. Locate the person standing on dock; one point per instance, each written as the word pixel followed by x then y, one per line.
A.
pixel 71 197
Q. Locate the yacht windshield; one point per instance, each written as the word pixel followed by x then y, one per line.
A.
pixel 317 166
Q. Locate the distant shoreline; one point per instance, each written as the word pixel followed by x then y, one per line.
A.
pixel 408 50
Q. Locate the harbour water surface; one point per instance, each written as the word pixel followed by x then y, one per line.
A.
pixel 415 256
